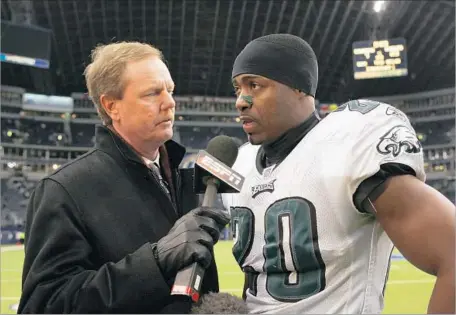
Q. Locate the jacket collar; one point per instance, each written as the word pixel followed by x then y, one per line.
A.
pixel 111 143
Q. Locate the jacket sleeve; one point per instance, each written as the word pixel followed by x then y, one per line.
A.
pixel 58 276
pixel 210 280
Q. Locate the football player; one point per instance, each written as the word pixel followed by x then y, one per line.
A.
pixel 325 201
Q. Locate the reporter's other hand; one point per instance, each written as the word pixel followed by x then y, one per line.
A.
pixel 190 240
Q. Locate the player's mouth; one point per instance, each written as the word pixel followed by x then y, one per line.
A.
pixel 248 124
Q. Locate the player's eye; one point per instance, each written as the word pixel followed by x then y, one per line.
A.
pixel 237 90
pixel 254 85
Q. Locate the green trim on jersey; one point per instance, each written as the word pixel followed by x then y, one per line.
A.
pixel 290 231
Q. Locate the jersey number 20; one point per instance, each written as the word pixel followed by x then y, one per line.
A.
pixel 293 263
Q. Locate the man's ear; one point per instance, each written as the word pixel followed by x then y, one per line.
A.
pixel 300 93
pixel 111 106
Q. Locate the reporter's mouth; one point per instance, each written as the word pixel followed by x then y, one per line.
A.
pixel 166 122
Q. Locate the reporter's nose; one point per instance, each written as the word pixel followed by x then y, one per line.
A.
pixel 168 101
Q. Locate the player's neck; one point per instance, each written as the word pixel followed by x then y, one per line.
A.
pixel 278 149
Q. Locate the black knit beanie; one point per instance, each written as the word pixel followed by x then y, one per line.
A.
pixel 284 58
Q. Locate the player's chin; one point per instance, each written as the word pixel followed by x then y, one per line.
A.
pixel 255 138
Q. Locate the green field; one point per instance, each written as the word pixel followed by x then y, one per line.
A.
pixel 407 292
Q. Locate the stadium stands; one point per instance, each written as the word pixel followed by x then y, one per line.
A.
pixel 83 135
pixel 16 191
pixel 36 141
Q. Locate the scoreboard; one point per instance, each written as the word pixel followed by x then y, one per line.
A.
pixel 25 45
pixel 379 58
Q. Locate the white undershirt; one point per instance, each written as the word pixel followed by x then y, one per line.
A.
pixel 156 170
pixel 149 162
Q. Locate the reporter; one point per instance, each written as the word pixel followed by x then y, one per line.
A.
pixel 107 232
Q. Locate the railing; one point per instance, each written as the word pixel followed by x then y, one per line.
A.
pixel 197 111
pixel 420 116
pixel 419 101
pixel 201 105
pixel 439 159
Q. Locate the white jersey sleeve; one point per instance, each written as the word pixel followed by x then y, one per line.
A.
pixel 247 153
pixel 386 142
pixel 226 200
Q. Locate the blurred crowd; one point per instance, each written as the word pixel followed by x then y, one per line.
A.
pixel 40 142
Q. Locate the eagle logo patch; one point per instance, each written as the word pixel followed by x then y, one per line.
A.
pixel 399 139
pixel 258 189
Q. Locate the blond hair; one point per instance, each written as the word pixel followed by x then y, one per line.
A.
pixel 104 75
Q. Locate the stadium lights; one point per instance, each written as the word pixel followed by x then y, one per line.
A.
pixel 379 6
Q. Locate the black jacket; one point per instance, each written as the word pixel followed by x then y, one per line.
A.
pixel 89 231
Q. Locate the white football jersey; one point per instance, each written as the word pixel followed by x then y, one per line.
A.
pixel 296 226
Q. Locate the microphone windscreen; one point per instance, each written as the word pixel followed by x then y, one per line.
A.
pixel 238 141
pixel 224 149
pixel 219 303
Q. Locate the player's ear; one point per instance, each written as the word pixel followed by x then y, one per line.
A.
pixel 300 93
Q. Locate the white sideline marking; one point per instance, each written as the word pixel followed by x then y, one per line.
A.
pixel 232 273
pixel 10 298
pixel 410 281
pixel 394 267
pixel 230 290
pixel 12 248
pixel 389 282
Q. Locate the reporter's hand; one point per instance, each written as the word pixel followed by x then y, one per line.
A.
pixel 190 240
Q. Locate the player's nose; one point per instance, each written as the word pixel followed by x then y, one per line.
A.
pixel 241 103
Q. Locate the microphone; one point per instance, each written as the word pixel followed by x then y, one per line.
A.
pixel 212 175
pixel 219 303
